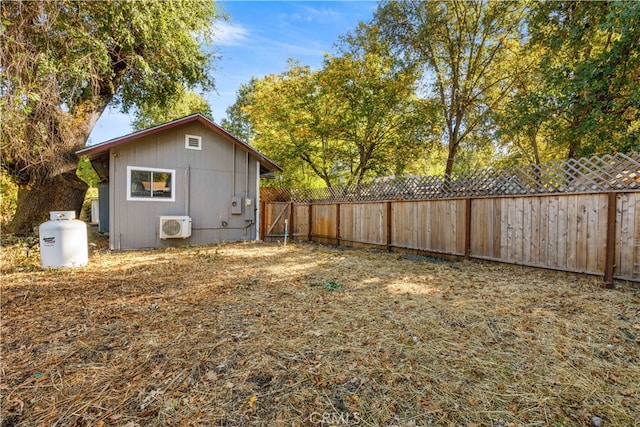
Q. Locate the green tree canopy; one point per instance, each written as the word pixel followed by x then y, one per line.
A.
pixel 384 124
pixel 469 52
pixel 183 104
pixel 63 62
pixel 238 121
pixel 294 122
pixel 354 119
pixel 590 88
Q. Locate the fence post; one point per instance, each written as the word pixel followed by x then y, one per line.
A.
pixel 467 229
pixel 263 220
pixel 389 226
pixel 291 224
pixel 611 241
pixel 310 234
pixel 338 223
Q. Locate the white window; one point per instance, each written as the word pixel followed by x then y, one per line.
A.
pixel 151 184
pixel 193 142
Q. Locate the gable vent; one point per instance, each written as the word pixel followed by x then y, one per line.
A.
pixel 193 142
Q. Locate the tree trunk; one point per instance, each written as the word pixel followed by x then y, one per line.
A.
pixel 574 147
pixel 451 159
pixel 63 192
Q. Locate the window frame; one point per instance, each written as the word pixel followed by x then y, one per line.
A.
pixel 186 142
pixel 133 198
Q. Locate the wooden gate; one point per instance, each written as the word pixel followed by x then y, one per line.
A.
pixel 297 215
pixel 274 215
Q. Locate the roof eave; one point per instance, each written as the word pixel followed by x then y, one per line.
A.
pixel 103 147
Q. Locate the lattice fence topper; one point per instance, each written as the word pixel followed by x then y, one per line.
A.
pixel 618 172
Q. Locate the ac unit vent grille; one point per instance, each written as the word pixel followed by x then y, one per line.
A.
pixel 175 227
pixel 171 227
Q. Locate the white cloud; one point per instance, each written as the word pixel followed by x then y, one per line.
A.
pixel 229 34
pixel 307 14
pixel 320 15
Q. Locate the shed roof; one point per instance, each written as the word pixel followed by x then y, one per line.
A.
pixel 104 147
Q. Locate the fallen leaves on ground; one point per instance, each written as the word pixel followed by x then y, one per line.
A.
pixel 244 334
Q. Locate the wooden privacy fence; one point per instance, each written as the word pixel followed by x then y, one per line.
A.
pixel 579 215
pixel 596 233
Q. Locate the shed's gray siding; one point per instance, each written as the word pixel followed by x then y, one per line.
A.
pixel 103 207
pixel 205 184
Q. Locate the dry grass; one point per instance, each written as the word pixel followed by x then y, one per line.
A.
pixel 260 334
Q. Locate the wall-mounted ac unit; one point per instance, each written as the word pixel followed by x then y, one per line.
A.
pixel 175 227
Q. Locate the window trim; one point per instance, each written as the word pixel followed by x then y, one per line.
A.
pixel 186 142
pixel 151 198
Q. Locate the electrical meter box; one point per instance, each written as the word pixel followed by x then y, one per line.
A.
pixel 236 206
pixel 249 214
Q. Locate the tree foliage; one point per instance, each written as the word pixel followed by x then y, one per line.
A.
pixel 183 104
pixel 294 121
pixel 354 119
pixel 470 55
pixel 238 121
pixel 501 81
pixel 589 92
pixel 383 122
pixel 8 198
pixel 63 62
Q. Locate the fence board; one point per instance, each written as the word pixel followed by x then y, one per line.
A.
pixel 592 234
pixel 481 232
pixel 437 227
pixel 423 219
pixel 601 234
pixel 413 231
pixel 323 226
pixel 572 227
pixel 635 246
pixel 497 228
pixel 347 220
pixel 526 229
pixel 544 230
pixel 479 237
pixel 563 226
pixel 535 230
pixel 552 239
pixel 581 234
pixel 301 223
pixel 519 229
pixel 627 264
pixel 505 232
pixel 458 231
pixel 620 221
pixel 362 223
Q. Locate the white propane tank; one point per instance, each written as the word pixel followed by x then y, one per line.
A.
pixel 63 241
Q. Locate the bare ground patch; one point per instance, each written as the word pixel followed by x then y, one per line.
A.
pixel 260 334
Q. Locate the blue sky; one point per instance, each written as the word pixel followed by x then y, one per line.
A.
pixel 258 39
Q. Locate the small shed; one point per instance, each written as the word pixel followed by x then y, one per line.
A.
pixel 187 181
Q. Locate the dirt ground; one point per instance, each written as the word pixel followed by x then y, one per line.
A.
pixel 266 334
